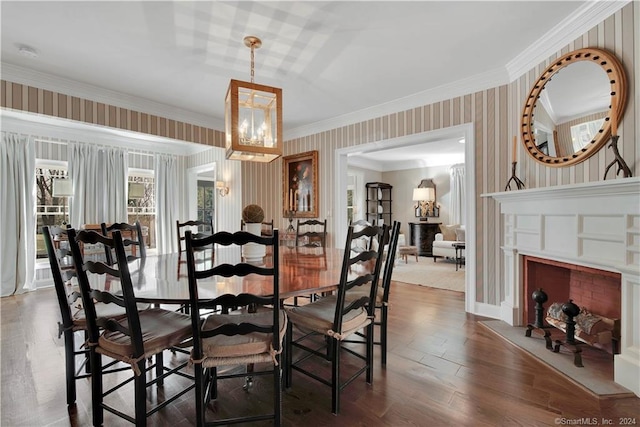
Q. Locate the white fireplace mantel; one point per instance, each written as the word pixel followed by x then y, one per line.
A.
pixel 593 224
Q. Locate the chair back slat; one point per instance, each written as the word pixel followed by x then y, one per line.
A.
pixel 229 270
pixel 229 301
pixel 266 228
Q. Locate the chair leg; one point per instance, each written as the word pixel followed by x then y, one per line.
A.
pixel 213 384
pixel 369 355
pixel 288 355
pixel 140 385
pixel 384 314
pixel 96 388
pixel 248 379
pixel 87 366
pixel 199 390
pixel 335 376
pixel 277 392
pixel 70 365
pixel 160 367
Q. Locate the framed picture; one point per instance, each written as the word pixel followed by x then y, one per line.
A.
pixel 300 185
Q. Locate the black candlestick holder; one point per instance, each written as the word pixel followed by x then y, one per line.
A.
pixel 519 184
pixel 618 161
pixel 290 228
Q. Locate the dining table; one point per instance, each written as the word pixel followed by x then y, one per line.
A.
pixel 163 279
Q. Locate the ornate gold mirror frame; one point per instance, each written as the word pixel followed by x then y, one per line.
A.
pixel 618 88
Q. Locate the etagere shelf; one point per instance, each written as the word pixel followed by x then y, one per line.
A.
pixel 379 203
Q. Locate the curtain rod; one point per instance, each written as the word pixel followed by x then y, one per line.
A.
pixel 47 141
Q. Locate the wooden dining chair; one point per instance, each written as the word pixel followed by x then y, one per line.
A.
pixel 382 295
pixel 333 319
pixel 71 310
pixel 248 330
pixel 311 232
pixel 132 235
pixel 140 335
pixel 204 228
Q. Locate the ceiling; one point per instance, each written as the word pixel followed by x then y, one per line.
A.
pixel 331 59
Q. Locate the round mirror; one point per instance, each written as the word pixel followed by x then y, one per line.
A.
pixel 567 115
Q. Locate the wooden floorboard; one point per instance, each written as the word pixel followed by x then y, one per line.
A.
pixel 443 369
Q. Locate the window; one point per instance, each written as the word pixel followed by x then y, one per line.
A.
pixel 49 210
pixel 351 197
pixel 142 205
pixel 582 133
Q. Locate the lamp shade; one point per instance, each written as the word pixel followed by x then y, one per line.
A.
pixel 62 188
pixel 136 190
pixel 253 122
pixel 420 194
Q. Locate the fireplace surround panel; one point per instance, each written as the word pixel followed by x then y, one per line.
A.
pixel 594 225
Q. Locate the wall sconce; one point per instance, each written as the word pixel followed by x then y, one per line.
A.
pixel 63 188
pixel 253 117
pixel 223 190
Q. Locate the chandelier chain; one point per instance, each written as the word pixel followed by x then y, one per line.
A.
pixel 252 62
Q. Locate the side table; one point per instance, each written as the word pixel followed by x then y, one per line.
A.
pixel 459 247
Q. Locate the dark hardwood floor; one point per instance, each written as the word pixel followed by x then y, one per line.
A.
pixel 443 369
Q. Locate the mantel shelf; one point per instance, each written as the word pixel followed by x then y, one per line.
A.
pixel 588 189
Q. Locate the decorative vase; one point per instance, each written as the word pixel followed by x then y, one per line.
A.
pixel 253 252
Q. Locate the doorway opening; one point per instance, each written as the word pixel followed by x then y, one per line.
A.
pixel 454 132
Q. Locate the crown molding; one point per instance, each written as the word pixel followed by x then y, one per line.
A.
pixel 40 125
pixel 573 26
pixel 26 76
pixel 479 82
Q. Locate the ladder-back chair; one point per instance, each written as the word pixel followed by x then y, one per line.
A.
pixel 248 330
pixel 331 320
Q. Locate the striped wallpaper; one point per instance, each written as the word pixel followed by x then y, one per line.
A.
pixel 495 114
pixel 35 100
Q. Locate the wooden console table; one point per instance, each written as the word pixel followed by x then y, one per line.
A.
pixel 422 235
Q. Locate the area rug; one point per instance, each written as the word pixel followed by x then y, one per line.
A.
pixel 597 381
pixel 441 274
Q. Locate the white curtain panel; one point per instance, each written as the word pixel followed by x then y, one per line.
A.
pixel 166 189
pixel 87 200
pixel 458 195
pixel 17 213
pixel 99 184
pixel 114 185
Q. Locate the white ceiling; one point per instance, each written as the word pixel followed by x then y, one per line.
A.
pixel 331 59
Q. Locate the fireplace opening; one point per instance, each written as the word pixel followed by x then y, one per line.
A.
pixel 594 290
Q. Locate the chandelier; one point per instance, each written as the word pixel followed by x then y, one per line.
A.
pixel 253 117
